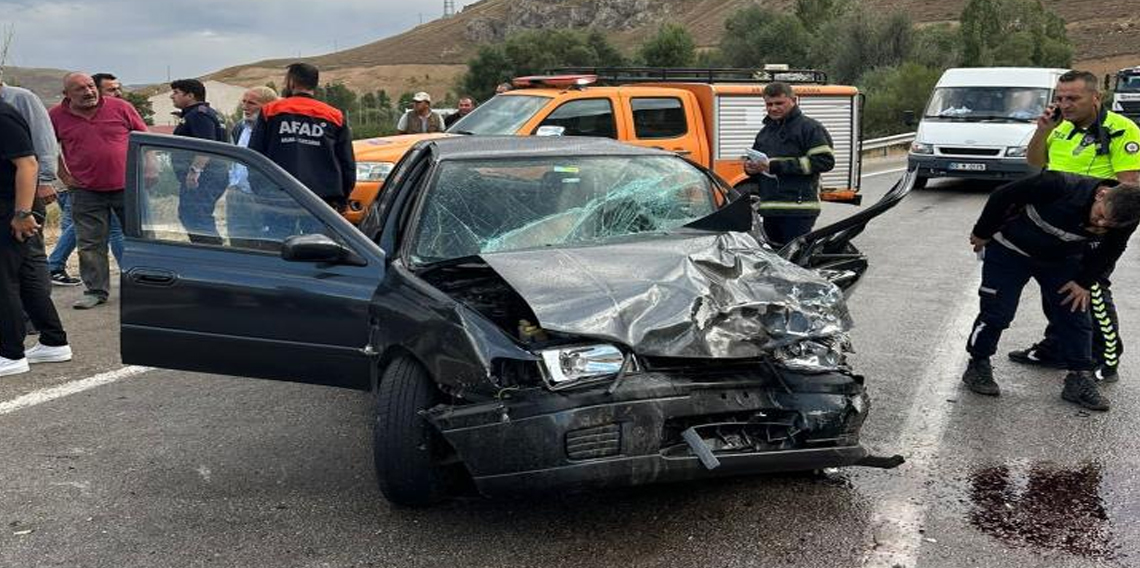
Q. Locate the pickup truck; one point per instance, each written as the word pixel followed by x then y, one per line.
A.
pixel 708 116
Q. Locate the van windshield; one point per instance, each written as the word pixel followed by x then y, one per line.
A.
pixel 977 104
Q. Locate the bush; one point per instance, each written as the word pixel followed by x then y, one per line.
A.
pixel 671 47
pixel 892 90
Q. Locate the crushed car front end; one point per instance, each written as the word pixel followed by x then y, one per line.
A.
pixel 667 421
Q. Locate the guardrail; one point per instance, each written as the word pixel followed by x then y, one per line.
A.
pixel 883 146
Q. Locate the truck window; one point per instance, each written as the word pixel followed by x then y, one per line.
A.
pixel 658 117
pixel 584 117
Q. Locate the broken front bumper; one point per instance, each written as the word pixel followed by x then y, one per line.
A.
pixel 655 427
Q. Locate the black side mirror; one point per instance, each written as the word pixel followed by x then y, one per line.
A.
pixel 318 248
pixel 908 118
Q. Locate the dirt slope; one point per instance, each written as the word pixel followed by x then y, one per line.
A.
pixel 430 56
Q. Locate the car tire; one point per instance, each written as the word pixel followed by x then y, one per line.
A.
pixel 920 182
pixel 406 448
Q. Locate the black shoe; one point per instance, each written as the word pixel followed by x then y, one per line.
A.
pixel 1038 355
pixel 1107 374
pixel 1080 388
pixel 62 278
pixel 979 377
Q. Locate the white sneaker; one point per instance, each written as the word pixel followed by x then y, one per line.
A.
pixel 13 366
pixel 40 353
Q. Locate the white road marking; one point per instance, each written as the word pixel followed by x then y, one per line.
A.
pixel 67 389
pixel 883 173
pixel 204 472
pixel 896 520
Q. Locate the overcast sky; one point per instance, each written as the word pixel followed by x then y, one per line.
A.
pixel 139 39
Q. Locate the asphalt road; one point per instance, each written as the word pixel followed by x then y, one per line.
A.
pixel 159 468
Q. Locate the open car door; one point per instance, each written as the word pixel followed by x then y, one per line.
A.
pixel 829 249
pixel 245 273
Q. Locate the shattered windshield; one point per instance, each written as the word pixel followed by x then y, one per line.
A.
pixel 987 103
pixel 482 206
pixel 502 115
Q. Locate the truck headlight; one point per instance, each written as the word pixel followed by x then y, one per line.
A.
pixel 1016 151
pixel 569 365
pixel 921 148
pixel 373 171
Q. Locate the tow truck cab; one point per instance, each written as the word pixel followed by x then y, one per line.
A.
pixel 709 116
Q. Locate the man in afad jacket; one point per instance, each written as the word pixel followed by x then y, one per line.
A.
pixel 789 154
pixel 308 138
pixel 1042 227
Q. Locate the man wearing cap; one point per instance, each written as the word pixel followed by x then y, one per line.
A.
pixel 421 119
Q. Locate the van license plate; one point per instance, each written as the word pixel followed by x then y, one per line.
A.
pixel 961 166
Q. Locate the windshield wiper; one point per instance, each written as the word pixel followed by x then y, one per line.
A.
pixel 463 132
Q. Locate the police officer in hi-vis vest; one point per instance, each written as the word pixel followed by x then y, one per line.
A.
pixel 1077 134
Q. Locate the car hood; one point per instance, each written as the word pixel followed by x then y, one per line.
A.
pixel 982 134
pixel 691 295
pixel 389 148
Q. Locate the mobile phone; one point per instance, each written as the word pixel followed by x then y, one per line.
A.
pixel 1055 115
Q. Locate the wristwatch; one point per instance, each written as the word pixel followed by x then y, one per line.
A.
pixel 22 213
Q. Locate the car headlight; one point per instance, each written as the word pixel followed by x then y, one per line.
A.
pixel 373 171
pixel 1016 151
pixel 570 365
pixel 921 148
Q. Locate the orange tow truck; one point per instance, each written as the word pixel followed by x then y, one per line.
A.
pixel 710 116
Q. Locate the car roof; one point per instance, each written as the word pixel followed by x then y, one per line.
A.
pixel 482 147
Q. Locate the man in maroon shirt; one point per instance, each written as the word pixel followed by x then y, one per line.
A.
pixel 93 133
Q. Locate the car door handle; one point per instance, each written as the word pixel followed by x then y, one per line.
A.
pixel 682 152
pixel 152 276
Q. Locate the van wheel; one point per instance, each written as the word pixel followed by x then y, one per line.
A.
pixel 410 455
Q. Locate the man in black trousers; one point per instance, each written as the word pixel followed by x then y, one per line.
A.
pixel 24 280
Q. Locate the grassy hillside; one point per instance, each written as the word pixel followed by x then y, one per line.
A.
pixel 47 83
pixel 431 55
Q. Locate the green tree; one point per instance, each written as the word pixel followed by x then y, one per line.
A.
pixel 142 105
pixel 672 46
pixel 892 90
pixel 533 52
pixel 979 26
pixel 815 14
pixel 339 96
pixel 1013 32
pixel 862 40
pixel 936 46
pixel 755 36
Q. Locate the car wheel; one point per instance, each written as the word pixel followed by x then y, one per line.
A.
pixel 410 454
pixel 920 181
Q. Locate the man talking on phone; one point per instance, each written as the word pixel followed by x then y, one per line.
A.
pixel 1078 135
pixel 785 162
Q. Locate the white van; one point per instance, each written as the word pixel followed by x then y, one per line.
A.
pixel 979 121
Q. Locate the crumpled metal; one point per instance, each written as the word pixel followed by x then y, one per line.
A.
pixel 690 294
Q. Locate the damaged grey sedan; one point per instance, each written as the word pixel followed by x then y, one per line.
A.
pixel 529 313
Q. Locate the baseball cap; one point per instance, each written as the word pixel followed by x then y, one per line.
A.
pixel 422 97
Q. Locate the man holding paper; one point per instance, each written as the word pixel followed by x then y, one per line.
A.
pixel 785 162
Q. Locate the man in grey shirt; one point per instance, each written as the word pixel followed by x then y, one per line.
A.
pixel 43 135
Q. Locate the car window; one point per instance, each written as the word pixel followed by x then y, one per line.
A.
pixel 228 203
pixel 658 117
pixel 584 117
pixel 492 205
